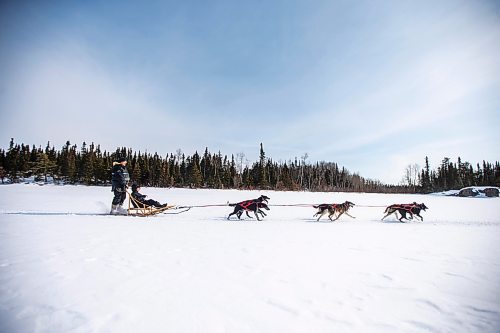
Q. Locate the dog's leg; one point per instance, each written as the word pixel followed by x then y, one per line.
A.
pixel 331 212
pixel 403 215
pixel 390 212
pixel 248 214
pixel 346 213
pixel 232 214
pixel 320 215
pixel 256 215
pixel 386 215
pixel 261 212
pixel 340 214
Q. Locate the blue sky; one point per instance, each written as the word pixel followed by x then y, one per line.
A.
pixel 371 85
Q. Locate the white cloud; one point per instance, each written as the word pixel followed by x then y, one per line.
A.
pixel 67 95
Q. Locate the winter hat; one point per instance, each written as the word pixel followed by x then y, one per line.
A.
pixel 121 159
pixel 135 187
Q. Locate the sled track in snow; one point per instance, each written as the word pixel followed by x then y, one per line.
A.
pixel 56 214
pixel 28 213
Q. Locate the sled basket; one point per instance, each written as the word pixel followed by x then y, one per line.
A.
pixel 136 208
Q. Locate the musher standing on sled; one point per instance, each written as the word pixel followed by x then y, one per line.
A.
pixel 119 180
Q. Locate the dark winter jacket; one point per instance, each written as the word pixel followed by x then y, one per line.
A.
pixel 138 196
pixel 119 176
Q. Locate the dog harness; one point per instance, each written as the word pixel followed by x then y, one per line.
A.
pixel 246 204
pixel 406 207
pixel 337 205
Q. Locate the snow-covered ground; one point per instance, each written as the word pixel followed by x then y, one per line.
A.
pixel 198 272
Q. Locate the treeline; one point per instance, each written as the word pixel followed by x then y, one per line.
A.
pixel 457 175
pixel 90 165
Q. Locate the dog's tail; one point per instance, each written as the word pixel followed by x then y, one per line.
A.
pixel 316 206
pixel 387 209
pixel 231 204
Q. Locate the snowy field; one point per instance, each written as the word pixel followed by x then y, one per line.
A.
pixel 198 272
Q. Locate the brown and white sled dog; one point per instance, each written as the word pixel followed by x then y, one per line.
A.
pixel 412 209
pixel 332 209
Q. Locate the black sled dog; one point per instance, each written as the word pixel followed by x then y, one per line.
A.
pixel 331 209
pixel 253 205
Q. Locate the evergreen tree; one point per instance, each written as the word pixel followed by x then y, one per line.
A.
pixel 183 171
pixel 426 178
pixel 195 177
pixel 43 167
pixel 165 173
pixel 100 172
pixel 3 165
pixel 87 161
pixel 262 176
pixel 12 160
pixel 136 170
pixel 72 166
pixel 233 174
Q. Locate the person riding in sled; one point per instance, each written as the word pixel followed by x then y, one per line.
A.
pixel 119 180
pixel 141 198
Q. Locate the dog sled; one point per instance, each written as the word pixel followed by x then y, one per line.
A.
pixel 137 208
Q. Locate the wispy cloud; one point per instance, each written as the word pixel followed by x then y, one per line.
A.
pixel 68 95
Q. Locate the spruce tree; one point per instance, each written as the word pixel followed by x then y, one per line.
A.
pixel 11 160
pixel 195 177
pixel 3 171
pixel 86 164
pixel 136 170
pixel 262 177
pixel 72 166
pixel 99 170
pixel 43 167
pixel 234 179
pixel 183 171
pixel 426 181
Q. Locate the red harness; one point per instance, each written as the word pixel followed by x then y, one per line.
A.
pixel 406 207
pixel 246 204
pixel 337 205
